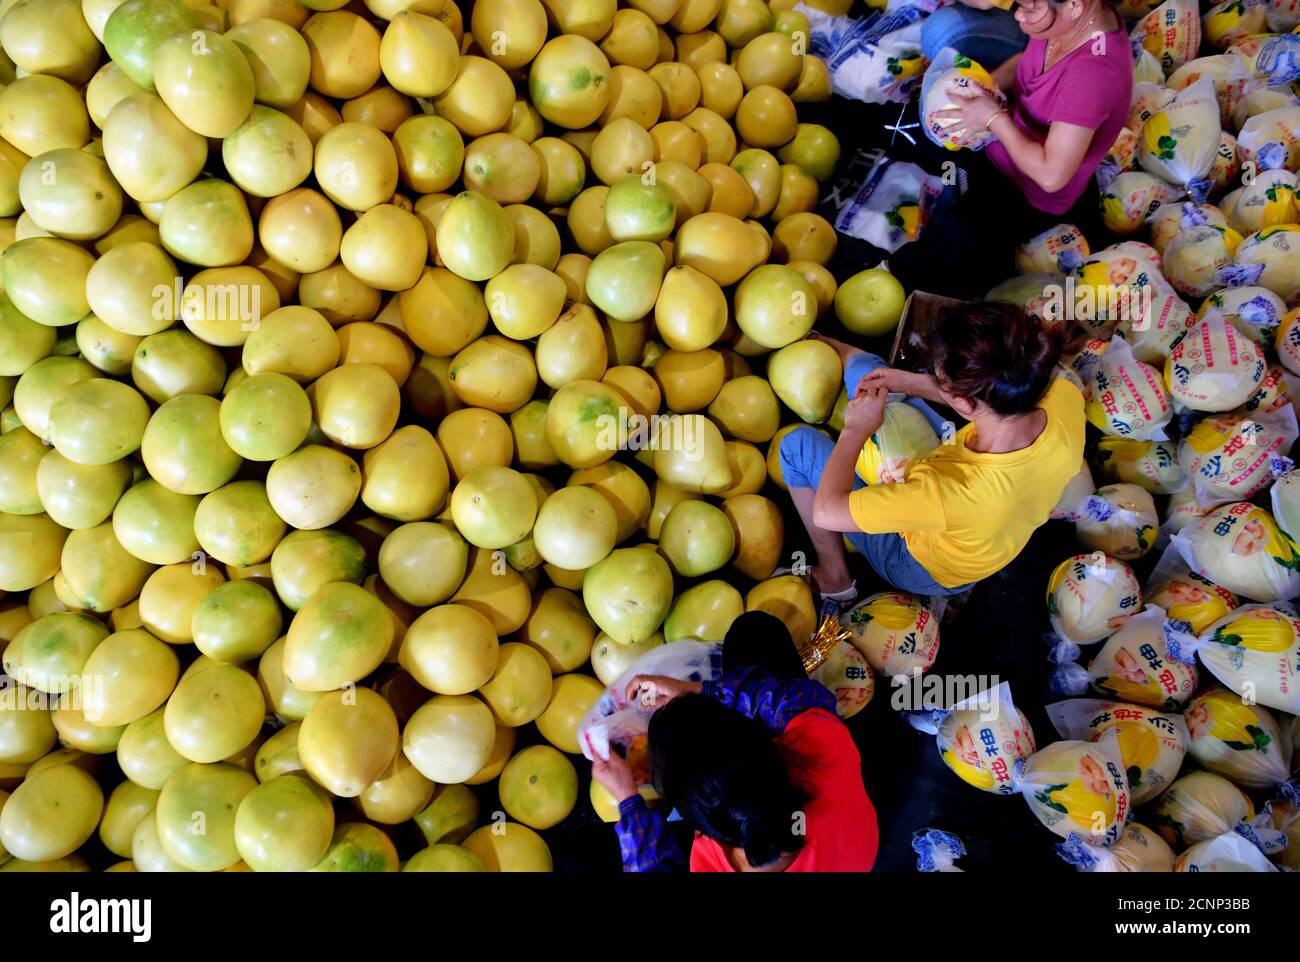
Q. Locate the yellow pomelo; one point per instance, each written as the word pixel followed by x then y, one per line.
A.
pixel 624 280
pixel 214 714
pixel 127 805
pixel 584 423
pixel 236 621
pixel 359 847
pixel 568 81
pixel 418 54
pixel 98 572
pixel 510 847
pixel 449 738
pixel 386 248
pixel 348 739
pixel 70 193
pixel 207 223
pixel 237 525
pixel 356 405
pixel 265 417
pixel 450 649
pixel 306 560
pixel 397 795
pixel 170 597
pixel 494 373
pixel 628 593
pixel 493 507
pixel 315 486
pixel 520 686
pixel 760 533
pixel 339 636
pixel 356 166
pixel 208 795
pixel 45 279
pixel 575 528
pixel 539 787
pixel 345 53
pixel 690 380
pixel 475 238
pixel 301 230
pixel 718 245
pixel 571 698
pixel 788 598
pixel 135 673
pixel 295 341
pixel 51 814
pixel 145 755
pixel 284 825
pixel 184 448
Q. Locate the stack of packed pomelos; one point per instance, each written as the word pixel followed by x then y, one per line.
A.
pixel 377 381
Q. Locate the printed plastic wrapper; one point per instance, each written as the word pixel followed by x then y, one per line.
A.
pixel 1089 597
pixel 1147 69
pixel 1255 652
pixel 1195 257
pixel 1282 15
pixel 1134 665
pixel 1276 392
pixel 1131 197
pixel 1259 102
pixel 1126 397
pixel 1285 499
pixel 1278 59
pixel 1078 490
pixel 982 739
pixel 1057 250
pixel 1114 283
pixel 1084 363
pixel 1079 788
pixel 1214 367
pixel 1253 311
pixel 1171 33
pixel 1171 218
pixel 937 851
pixel 1278 127
pixel 897 632
pixel 615 721
pixel 903 438
pixel 848 677
pixel 1186 595
pixel 1240 546
pixel 1229 75
pixel 1153 333
pixel 1229 21
pixel 1197 807
pixel 1237 740
pixel 1270 258
pixel 1227 163
pixel 1268 200
pixel 892 206
pixel 951 69
pixel 1286 341
pixel 1151 465
pixel 1286 819
pixel 1152 744
pixel 1226 853
pixel 1027 291
pixel 876 68
pixel 1138 849
pixel 1180 139
pixel 1180 511
pixel 1229 457
pixel 1127 525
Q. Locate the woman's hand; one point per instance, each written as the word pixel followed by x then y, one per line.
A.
pixel 655 691
pixel 973 108
pixel 890 378
pixel 864 414
pixel 615 775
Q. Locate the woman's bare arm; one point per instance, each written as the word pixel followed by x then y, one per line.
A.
pixel 1005 75
pixel 1048 163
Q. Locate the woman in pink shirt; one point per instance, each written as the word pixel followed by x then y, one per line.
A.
pixel 1067 99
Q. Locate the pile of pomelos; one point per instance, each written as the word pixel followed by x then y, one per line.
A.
pixel 376 381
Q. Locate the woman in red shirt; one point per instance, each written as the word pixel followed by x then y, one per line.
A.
pixel 756 761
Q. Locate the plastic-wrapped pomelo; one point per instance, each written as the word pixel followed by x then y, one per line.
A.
pixel 1151 745
pixel 314 486
pixel 138 673
pixel 1229 852
pixel 449 738
pixel 347 740
pixel 1138 849
pixel 1077 491
pixel 1194 257
pixel 236 621
pixel 982 740
pixel 1287 341
pixel 903 438
pixel 263 418
pixel 1091 596
pixel 237 525
pixel 1057 250
pixel 964 75
pixel 305 560
pixel 1240 546
pixel 1130 200
pixel 1134 665
pixel 1079 787
pixel 1228 456
pixel 339 636
pixel 1235 739
pixel 49 653
pixel 1170 218
pixel 1171 33
pixel 214 714
pixel 1254 311
pixel 1253 651
pixel 1199 806
pixel 1182 509
pixel 262 833
pixel 848 676
pixel 514 848
pixel 1151 465
pixel 1270 257
pixel 1190 597
pixel 1126 397
pixel 1125 527
pixel 50 814
pixel 898 633
pixel 628 593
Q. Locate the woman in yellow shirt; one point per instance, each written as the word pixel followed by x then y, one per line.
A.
pixel 968 508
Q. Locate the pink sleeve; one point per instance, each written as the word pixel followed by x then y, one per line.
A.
pixel 1089 94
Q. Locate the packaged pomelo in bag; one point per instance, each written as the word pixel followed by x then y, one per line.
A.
pixel 897 632
pixel 1146 99
pixel 1229 75
pixel 1089 597
pixel 1284 498
pixel 1152 334
pixel 1114 283
pixel 1125 528
pixel 1180 139
pixel 1230 20
pixel 1085 362
pixel 1171 33
pixel 1229 456
pixel 1181 510
pixel 1286 819
pixel 1057 250
pixel 1171 218
pixel 1126 398
pixel 1238 740
pixel 1138 849
pixel 953 70
pixel 1276 392
pixel 1121 157
pixel 1151 743
pixel 1131 197
pixel 1255 651
pixel 1151 465
pixel 1252 310
pixel 1268 200
pixel 1195 256
pixel 1199 806
pixel 1186 595
pixel 1270 258
pixel 903 438
pixel 1227 164
pixel 982 738
pixel 848 677
pixel 1286 341
pixel 1078 490
pixel 1214 367
pixel 1272 129
pixel 1229 852
pixel 1134 665
pixel 1282 15
pixel 1079 788
pixel 1240 546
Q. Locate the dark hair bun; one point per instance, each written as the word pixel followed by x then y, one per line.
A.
pixel 995 353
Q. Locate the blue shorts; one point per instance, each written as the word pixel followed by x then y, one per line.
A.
pixel 804 453
pixel 989 37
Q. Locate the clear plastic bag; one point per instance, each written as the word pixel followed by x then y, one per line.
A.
pixel 937 851
pixel 1127 398
pixel 1241 547
pixel 879 67
pixel 1151 743
pixel 903 438
pixel 1214 367
pixel 1255 652
pixel 1180 139
pixel 1186 595
pixel 1079 788
pixel 891 206
pixel 1151 465
pixel 1253 311
pixel 1138 849
pixel 1073 500
pixel 951 69
pixel 981 738
pixel 1199 806
pixel 897 632
pixel 1238 740
pixel 1090 596
pixel 1122 523
pixel 1057 250
pixel 1171 33
pixel 1229 456
pixel 1229 852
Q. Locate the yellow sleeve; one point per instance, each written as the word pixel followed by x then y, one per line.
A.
pixel 1002 4
pixel 914 505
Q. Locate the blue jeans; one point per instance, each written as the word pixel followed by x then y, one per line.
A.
pixel 989 37
pixel 804 453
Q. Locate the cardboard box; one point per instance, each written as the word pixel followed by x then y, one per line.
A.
pixel 919 313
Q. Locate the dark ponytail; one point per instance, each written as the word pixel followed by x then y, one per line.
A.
pixel 996 354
